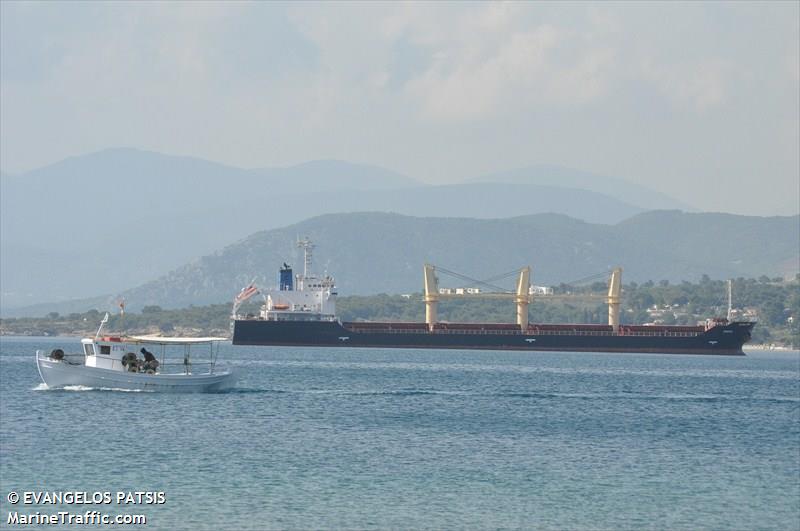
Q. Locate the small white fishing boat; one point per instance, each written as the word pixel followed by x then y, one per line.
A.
pixel 112 362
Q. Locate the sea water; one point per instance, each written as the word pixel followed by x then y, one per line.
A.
pixel 374 438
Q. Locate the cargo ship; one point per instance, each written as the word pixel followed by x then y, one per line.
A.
pixel 302 312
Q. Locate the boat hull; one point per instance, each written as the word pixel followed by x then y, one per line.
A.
pixel 59 374
pixel 726 340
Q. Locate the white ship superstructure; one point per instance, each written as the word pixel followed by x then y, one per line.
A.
pixel 301 297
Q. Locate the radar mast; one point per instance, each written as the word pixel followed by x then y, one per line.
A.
pixel 308 250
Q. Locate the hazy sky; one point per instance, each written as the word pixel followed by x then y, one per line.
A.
pixel 697 100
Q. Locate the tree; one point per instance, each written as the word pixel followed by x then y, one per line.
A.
pixel 772 312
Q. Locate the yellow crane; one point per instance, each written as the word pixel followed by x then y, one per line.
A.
pixel 521 296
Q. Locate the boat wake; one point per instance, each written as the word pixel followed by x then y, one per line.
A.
pixel 245 391
pixel 536 395
pixel 77 388
pixel 45 387
pixel 405 392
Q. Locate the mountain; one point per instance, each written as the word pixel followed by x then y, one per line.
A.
pixel 735 245
pixel 626 191
pixel 377 252
pixel 106 221
pixel 324 175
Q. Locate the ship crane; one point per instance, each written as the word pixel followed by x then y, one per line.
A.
pixel 521 296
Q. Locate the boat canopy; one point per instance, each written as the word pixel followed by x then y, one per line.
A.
pixel 172 340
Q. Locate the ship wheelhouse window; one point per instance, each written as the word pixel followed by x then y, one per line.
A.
pixel 105 349
pixel 88 350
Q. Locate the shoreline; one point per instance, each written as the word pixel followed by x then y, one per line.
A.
pixel 771 347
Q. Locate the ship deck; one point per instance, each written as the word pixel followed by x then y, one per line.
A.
pixel 511 330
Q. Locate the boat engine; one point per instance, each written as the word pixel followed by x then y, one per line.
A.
pixel 57 354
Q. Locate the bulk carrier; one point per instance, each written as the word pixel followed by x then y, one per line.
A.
pixel 302 312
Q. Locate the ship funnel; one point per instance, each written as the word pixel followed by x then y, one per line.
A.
pixel 286 282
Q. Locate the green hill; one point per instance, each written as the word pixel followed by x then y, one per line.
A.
pixel 384 253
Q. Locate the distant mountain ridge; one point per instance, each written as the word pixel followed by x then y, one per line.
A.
pixel 106 221
pixel 377 252
pixel 626 191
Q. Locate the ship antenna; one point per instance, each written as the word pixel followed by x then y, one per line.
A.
pixel 308 249
pixel 104 321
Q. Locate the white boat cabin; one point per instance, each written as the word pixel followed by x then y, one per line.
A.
pixel 105 352
pixel 130 354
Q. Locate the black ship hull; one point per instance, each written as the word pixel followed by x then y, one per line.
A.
pixel 724 339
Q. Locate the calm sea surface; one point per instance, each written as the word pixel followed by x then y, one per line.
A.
pixel 371 438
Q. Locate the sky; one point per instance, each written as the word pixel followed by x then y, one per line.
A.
pixel 697 100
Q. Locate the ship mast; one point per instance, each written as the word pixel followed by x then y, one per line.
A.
pixel 730 299
pixel 308 249
pixel 613 300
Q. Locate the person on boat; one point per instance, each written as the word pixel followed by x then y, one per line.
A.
pixel 150 362
pixel 148 356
